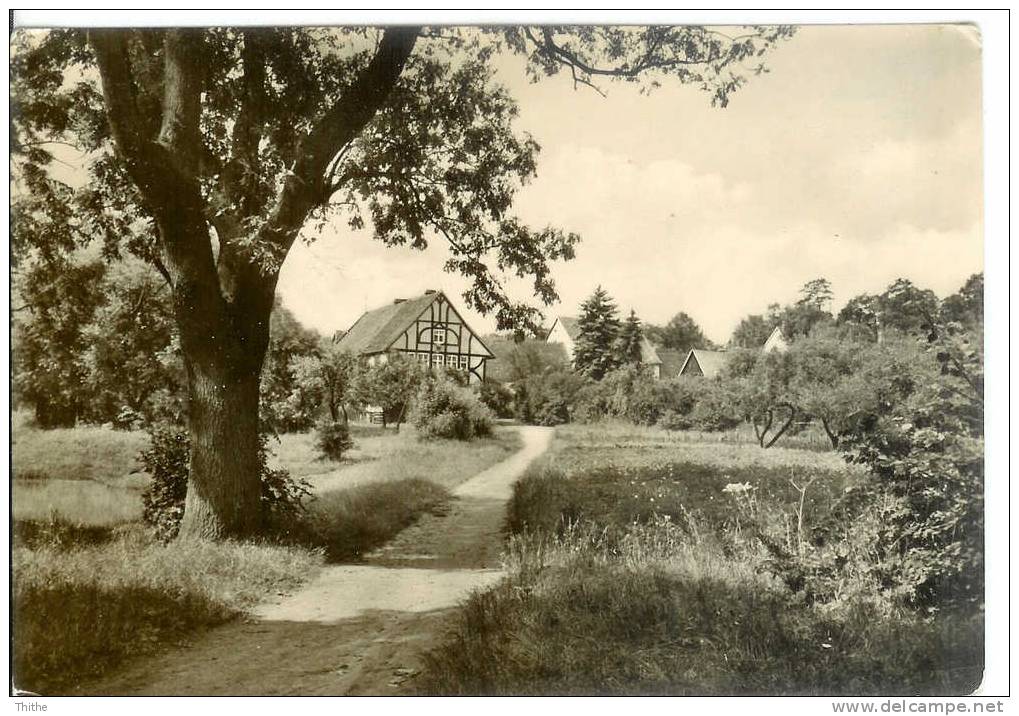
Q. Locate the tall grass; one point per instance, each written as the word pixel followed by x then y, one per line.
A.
pixel 633 571
pixel 81 609
pixel 575 619
pixel 82 501
pixel 349 523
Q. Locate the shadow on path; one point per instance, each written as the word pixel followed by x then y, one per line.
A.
pixel 355 629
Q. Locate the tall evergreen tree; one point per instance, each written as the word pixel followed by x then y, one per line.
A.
pixel 595 353
pixel 630 338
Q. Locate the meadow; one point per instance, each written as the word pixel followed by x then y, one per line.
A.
pixel 636 566
pixel 92 587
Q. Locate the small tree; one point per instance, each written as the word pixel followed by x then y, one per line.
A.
pixel 827 384
pixel 332 438
pixel 326 380
pixel 389 386
pixel 595 353
pixel 681 333
pixel 631 338
pixel 763 395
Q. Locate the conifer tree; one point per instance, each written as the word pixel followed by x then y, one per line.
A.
pixel 630 339
pixel 596 352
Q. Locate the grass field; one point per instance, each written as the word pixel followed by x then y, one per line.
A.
pixel 93 588
pixel 630 573
pixel 87 599
pixel 90 475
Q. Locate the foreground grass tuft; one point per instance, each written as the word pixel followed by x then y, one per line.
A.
pixel 81 610
pixel 574 619
pixel 634 570
pixel 347 524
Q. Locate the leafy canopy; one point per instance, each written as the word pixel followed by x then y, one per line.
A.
pixel 439 159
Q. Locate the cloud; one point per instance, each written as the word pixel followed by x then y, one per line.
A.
pixel 858 159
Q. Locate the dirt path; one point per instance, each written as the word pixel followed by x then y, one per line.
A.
pixel 355 629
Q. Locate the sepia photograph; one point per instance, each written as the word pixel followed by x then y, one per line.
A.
pixel 427 358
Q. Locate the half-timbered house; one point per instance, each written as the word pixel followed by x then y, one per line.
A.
pixel 427 329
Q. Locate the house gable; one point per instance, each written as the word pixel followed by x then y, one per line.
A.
pixel 706 363
pixel 776 342
pixel 427 329
pixel 563 331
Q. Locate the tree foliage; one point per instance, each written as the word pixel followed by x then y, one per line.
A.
pixel 596 349
pixel 389 386
pixel 681 333
pixel 96 343
pixel 209 151
pixel 902 308
pixel 631 340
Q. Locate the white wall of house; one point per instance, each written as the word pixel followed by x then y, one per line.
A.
pixel 776 342
pixel 558 334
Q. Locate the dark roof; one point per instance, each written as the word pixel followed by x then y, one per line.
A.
pixel 710 362
pixel 376 330
pixel 672 361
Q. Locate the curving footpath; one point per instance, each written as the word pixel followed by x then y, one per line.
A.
pixel 355 629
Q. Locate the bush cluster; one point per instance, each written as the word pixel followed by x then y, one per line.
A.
pixel 633 395
pixel 443 409
pixel 332 438
pixel 167 461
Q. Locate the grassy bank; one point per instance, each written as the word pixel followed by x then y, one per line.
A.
pixel 390 456
pixel 93 589
pixel 85 600
pixel 633 570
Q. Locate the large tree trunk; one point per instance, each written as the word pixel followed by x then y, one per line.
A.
pixel 224 489
pixel 222 303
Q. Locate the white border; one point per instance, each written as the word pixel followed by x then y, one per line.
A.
pixel 994 27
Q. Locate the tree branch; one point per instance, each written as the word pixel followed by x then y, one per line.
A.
pixel 304 187
pixel 110 47
pixel 241 176
pixel 182 91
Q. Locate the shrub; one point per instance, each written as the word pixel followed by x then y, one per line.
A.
pixel 497 397
pixel 629 393
pixel 674 420
pixel 923 442
pixel 445 410
pixel 715 409
pixel 167 460
pixel 332 438
pixel 546 398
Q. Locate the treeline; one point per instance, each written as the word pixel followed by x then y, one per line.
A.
pixel 895 381
pixel 95 342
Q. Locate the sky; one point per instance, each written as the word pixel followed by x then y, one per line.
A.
pixel 857 158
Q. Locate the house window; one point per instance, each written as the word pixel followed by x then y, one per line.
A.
pixel 422 358
pixel 437 359
pixel 439 336
pixel 464 362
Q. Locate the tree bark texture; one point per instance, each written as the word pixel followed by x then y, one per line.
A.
pixel 222 303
